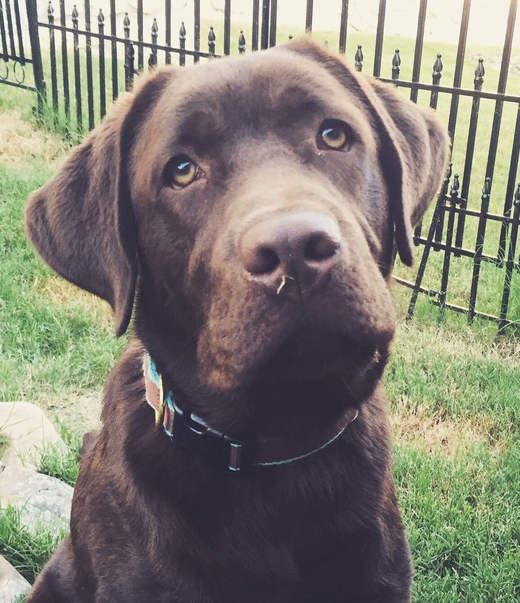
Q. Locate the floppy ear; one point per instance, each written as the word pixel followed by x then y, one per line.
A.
pixel 81 222
pixel 413 145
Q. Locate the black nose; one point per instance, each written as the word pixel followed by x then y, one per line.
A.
pixel 292 253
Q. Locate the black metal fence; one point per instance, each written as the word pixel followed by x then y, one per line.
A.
pixel 88 59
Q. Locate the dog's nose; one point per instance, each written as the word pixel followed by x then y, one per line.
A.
pixel 291 254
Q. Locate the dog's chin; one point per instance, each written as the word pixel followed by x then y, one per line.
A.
pixel 314 355
pixel 330 361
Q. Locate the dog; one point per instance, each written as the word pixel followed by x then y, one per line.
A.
pixel 244 214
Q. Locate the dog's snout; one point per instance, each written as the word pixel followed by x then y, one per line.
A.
pixel 299 246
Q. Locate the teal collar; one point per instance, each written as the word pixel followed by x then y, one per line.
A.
pixel 233 455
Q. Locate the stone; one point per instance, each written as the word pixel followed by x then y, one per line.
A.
pixel 12 584
pixel 28 431
pixel 41 499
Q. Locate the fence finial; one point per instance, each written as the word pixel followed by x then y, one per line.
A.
pixel 75 16
pixel 126 25
pixel 396 64
pixel 101 17
pixel 437 69
pixel 182 31
pixel 152 59
pixel 479 74
pixel 211 40
pixel 50 10
pixel 455 185
pixel 358 58
pixel 241 42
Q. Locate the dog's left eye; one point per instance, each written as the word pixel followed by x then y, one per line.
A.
pixel 333 134
pixel 181 171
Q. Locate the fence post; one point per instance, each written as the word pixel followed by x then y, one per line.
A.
pixel 152 59
pixel 510 264
pixel 32 20
pixel 436 78
pixel 439 208
pixel 182 44
pixel 102 76
pixel 129 54
pixel 77 68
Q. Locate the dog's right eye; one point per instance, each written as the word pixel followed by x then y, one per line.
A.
pixel 181 171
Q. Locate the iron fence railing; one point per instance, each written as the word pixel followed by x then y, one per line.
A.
pixel 89 58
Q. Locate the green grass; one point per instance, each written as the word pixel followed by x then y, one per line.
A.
pixel 43 342
pixel 63 465
pixel 463 521
pixel 26 550
pixel 458 493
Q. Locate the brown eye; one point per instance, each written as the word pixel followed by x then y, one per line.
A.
pixel 333 134
pixel 181 171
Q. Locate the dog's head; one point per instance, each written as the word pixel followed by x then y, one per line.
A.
pixel 254 203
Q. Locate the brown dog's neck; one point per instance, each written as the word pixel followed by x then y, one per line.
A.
pixel 275 407
pixel 289 434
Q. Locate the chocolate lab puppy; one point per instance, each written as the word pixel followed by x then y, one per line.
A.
pixel 245 211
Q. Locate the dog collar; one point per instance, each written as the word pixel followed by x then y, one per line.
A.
pixel 234 455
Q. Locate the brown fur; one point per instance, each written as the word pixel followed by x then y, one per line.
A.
pixel 152 520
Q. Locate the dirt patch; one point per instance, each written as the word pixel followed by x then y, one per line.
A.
pixel 439 433
pixel 79 412
pixel 63 293
pixel 22 140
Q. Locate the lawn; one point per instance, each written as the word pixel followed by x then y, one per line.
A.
pixel 453 389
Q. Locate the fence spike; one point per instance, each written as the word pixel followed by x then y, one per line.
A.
pixel 129 65
pixel 396 64
pixel 241 42
pixel 126 25
pixel 479 74
pixel 211 40
pixel 358 58
pixel 50 10
pixel 101 17
pixel 437 69
pixel 182 44
pixel 455 185
pixel 152 60
pixel 75 16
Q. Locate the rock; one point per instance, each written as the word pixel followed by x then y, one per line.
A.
pixel 41 499
pixel 12 584
pixel 28 430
